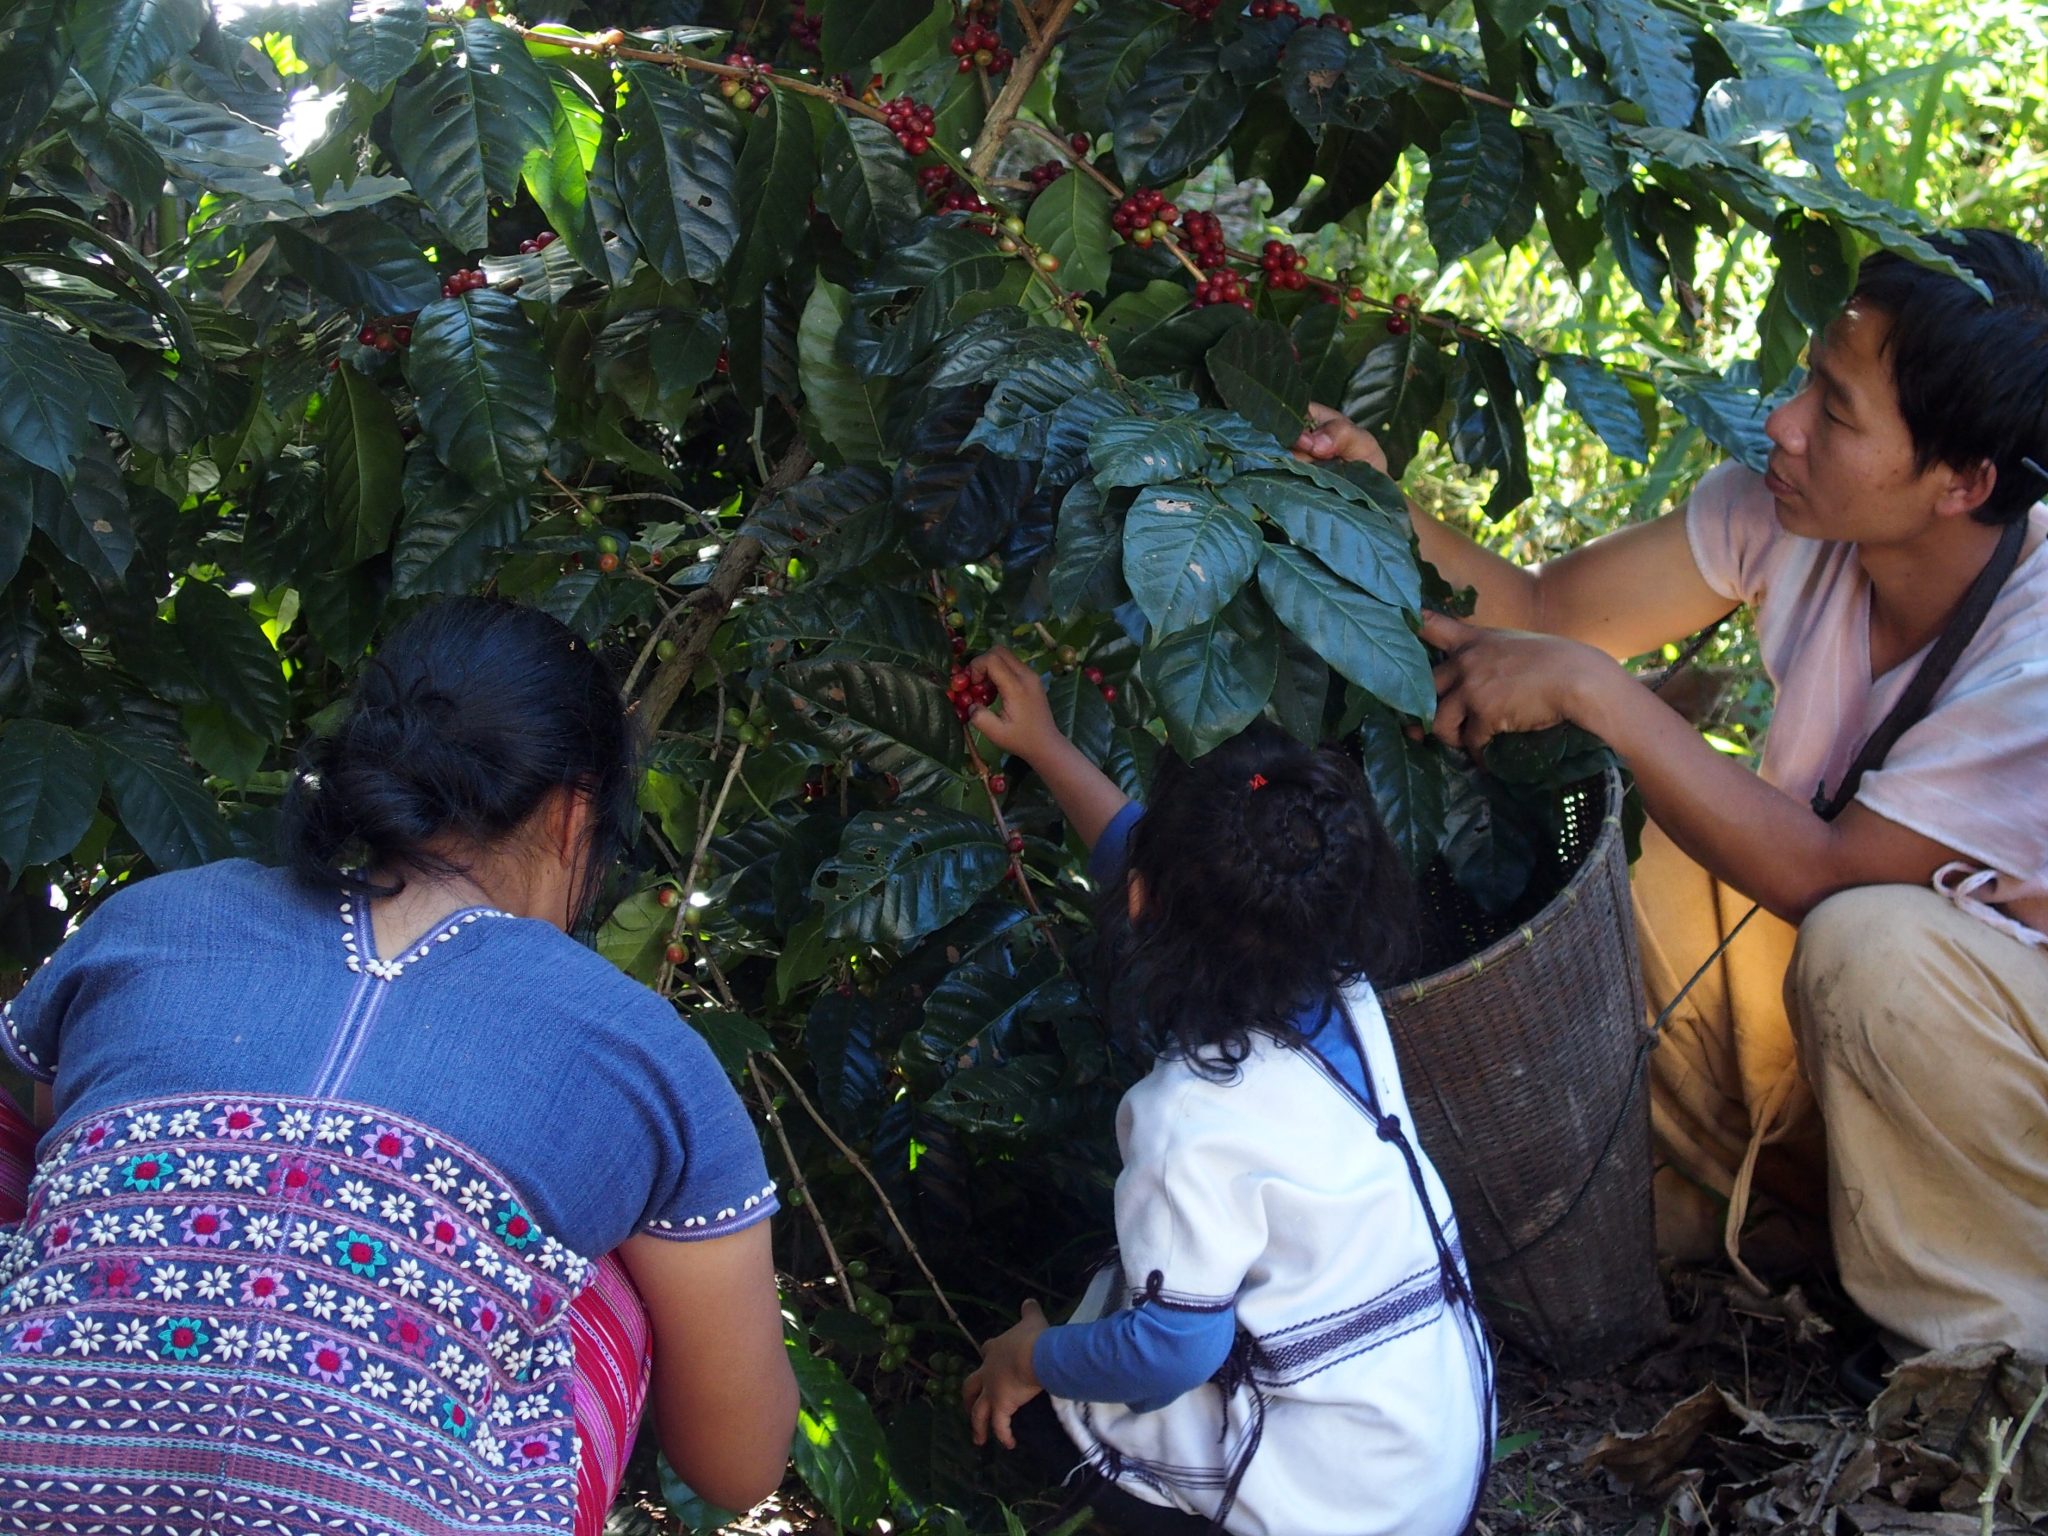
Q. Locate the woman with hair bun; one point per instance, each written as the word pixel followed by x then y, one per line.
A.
pixel 333 1154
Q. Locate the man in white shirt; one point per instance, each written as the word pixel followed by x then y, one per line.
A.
pixel 1907 931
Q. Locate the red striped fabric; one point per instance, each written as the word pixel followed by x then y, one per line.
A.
pixel 607 1323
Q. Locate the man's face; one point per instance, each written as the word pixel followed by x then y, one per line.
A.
pixel 1841 463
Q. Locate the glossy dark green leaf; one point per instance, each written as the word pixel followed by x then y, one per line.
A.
pixel 464 133
pixel 851 619
pixel 31 67
pixel 1312 76
pixel 1649 56
pixel 1106 54
pixel 362 466
pixel 1082 715
pixel 979 1002
pixel 839 1449
pixel 221 746
pixel 163 805
pixel 830 518
pixel 1018 419
pixel 954 503
pixel 1301 691
pixel 1474 176
pixel 1582 135
pixel 1088 558
pixel 1177 115
pixel 17 513
pixel 1486 424
pixel 1070 219
pixel 840 1037
pixel 1330 349
pixel 855 31
pixel 383 39
pixel 53 386
pixel 1784 87
pixel 1366 544
pixel 1397 393
pixel 1016 1098
pixel 49 791
pixel 889 717
pixel 1814 270
pixel 204 142
pixel 945 266
pixel 1408 784
pixel 449 531
pixel 231 658
pixel 1212 680
pixel 1731 416
pixel 1136 450
pixel 774 179
pixel 1354 164
pixel 865 185
pixel 850 412
pixel 1487 848
pixel 676 161
pixel 117 44
pixel 1365 639
pixel 900 874
pixel 1254 370
pixel 485 395
pixel 89 520
pixel 1635 249
pixel 1186 553
pixel 360 261
pixel 1604 401
pixel 558 179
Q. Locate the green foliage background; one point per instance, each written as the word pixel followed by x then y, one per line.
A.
pixel 764 422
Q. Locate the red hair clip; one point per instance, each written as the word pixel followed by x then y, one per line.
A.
pixel 1258 781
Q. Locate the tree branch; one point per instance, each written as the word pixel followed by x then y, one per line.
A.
pixel 981 158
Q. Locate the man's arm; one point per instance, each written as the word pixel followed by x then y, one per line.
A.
pixel 1750 834
pixel 1624 593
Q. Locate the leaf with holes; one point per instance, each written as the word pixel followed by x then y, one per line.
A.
pixel 889 717
pixel 486 395
pixel 1599 396
pixel 118 44
pixel 49 791
pixel 1365 639
pixel 900 874
pixel 383 39
pixel 1212 681
pixel 1186 554
pixel 89 520
pixel 1177 115
pixel 865 184
pixel 1473 178
pixel 1814 271
pixel 676 164
pixel 1136 450
pixel 1254 370
pixel 53 386
pixel 1649 53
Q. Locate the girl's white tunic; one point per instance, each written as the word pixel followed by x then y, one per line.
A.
pixel 1357 1400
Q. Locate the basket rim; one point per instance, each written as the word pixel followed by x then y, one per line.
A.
pixel 1553 911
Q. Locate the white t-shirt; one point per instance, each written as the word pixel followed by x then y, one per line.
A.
pixel 1973 773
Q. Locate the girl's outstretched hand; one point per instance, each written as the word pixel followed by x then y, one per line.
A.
pixel 1331 435
pixel 1006 1381
pixel 1025 726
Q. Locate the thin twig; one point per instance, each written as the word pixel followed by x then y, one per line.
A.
pixel 796 1174
pixel 1027 21
pixel 1452 85
pixel 1023 74
pixel 888 1209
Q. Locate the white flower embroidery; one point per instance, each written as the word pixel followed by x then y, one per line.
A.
pixel 448 1362
pixel 418 1395
pixel 130 1335
pixel 93 1181
pixel 106 1228
pixel 145 1127
pixel 440 1175
pixel 336 1128
pixel 59 1287
pixel 487 1446
pixel 501 1410
pixel 263 1232
pixel 485 1263
pixel 518 1282
pixel 306 1238
pixel 231 1342
pixel 375 1380
pixel 534 1405
pixel 215 1283
pixel 476 1197
pixel 446 1298
pixel 198 1173
pixel 87 1335
pixel 319 1300
pixel 244 1172
pixel 407 1278
pixel 357 1313
pixel 356 1195
pixel 147 1225
pixel 295 1125
pixel 471 1378
pixel 167 1282
pixel 274 1345
pixel 185 1123
pixel 397 1209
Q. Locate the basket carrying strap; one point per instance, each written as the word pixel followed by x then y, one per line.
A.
pixel 1934 670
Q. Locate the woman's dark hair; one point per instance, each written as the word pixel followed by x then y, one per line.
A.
pixel 1266 882
pixel 463 722
pixel 1972 377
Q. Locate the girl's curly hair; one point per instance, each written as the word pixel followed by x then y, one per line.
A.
pixel 1265 881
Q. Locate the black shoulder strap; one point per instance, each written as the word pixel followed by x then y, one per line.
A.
pixel 1948 649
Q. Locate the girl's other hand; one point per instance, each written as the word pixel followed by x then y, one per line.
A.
pixel 1025 727
pixel 1330 435
pixel 1006 1380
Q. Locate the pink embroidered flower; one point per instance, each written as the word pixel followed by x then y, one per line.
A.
pixel 327 1360
pixel 296 1179
pixel 63 1234
pixel 264 1287
pixel 389 1145
pixel 535 1450
pixel 206 1226
pixel 116 1277
pixel 442 1232
pixel 408 1335
pixel 97 1133
pixel 486 1318
pixel 32 1338
pixel 238 1122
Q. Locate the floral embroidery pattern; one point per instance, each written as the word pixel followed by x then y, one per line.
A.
pixel 348 1269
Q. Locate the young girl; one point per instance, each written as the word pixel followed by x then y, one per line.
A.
pixel 1287 1345
pixel 332 1152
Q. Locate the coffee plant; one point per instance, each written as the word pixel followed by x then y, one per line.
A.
pixel 794 355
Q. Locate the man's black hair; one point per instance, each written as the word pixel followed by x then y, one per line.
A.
pixel 1266 883
pixel 1972 376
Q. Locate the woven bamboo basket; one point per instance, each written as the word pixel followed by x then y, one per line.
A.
pixel 1525 1067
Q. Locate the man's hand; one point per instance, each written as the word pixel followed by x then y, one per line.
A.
pixel 1025 727
pixel 1006 1381
pixel 1495 681
pixel 1331 436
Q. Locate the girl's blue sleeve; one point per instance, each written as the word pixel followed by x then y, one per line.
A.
pixel 1143 1356
pixel 1106 862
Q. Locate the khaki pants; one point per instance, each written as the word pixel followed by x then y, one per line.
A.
pixel 1917 1035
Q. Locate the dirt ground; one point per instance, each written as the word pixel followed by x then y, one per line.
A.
pixel 1736 1423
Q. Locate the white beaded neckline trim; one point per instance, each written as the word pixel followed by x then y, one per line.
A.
pixel 391 970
